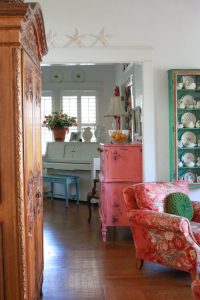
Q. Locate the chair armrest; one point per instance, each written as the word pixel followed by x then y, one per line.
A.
pixel 157 220
pixel 166 239
pixel 196 207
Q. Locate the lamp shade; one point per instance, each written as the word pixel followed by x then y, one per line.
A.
pixel 115 107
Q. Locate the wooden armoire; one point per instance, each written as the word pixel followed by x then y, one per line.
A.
pixel 22 45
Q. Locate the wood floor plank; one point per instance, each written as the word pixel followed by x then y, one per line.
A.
pixel 78 265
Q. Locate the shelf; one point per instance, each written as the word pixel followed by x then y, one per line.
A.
pixel 184 128
pixel 176 113
pixel 188 90
pixel 181 110
pixel 187 148
pixel 185 167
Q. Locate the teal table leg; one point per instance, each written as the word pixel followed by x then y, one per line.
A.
pixel 66 194
pixel 77 190
pixel 52 191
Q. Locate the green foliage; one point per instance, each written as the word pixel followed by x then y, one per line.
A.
pixel 59 120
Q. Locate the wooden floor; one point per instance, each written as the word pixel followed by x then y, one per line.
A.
pixel 78 265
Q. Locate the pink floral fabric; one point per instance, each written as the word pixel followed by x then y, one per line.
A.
pixel 129 198
pixel 166 239
pixel 160 237
pixel 196 289
pixel 195 228
pixel 151 195
pixel 196 206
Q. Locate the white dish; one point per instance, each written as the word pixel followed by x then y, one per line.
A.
pixel 197 105
pixel 187 119
pixel 187 80
pixel 189 177
pixel 179 85
pixel 198 124
pixel 192 86
pixel 188 158
pixel 189 139
pixel 188 100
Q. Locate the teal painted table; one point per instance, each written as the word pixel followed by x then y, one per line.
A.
pixel 66 180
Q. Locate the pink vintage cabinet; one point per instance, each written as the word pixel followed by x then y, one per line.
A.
pixel 121 165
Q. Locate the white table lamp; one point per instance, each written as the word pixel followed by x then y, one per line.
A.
pixel 115 109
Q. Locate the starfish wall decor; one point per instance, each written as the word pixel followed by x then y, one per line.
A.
pixel 78 40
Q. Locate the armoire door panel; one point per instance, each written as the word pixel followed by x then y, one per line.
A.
pixel 1 266
pixel 22 46
pixel 29 201
pixel 38 177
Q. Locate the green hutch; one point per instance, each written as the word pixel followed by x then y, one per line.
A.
pixel 184 125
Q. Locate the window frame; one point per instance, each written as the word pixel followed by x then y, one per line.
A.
pixel 79 93
pixel 46 94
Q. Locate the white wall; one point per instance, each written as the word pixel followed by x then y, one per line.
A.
pixel 122 77
pixel 171 27
pixel 98 77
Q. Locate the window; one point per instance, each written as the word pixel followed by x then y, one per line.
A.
pixel 83 106
pixel 46 109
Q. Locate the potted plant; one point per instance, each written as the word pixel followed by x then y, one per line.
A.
pixel 59 123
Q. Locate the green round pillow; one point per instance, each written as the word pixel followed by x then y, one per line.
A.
pixel 179 204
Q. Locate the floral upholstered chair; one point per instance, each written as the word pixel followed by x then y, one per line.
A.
pixel 196 289
pixel 161 237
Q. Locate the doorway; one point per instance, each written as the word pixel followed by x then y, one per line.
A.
pixel 141 55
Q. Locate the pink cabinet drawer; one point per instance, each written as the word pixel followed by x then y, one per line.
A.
pixel 112 204
pixel 121 166
pixel 122 162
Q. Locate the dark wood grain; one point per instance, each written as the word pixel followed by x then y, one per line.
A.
pixel 78 265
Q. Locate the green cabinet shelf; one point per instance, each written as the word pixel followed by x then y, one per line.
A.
pixel 184 125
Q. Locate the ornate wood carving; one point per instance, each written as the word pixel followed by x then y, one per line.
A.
pixel 30 204
pixel 22 35
pixel 38 205
pixel 20 174
pixel 35 201
pixel 29 85
pixel 38 91
pixel 29 43
pixel 33 29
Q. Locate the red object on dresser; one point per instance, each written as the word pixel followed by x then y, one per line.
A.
pixel 121 165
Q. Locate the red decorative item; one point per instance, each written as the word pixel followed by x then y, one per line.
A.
pixel 117 93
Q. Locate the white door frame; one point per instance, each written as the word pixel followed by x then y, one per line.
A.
pixel 124 54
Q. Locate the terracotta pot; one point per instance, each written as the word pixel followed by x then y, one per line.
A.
pixel 59 134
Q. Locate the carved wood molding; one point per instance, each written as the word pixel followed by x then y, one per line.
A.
pixel 20 174
pixel 38 205
pixel 33 26
pixel 30 203
pixel 29 85
pixel 29 43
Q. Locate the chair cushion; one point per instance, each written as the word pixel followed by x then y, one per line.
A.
pixel 179 204
pixel 151 195
pixel 195 227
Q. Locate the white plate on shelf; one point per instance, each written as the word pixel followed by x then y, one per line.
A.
pixel 188 158
pixel 187 118
pixel 188 139
pixel 187 80
pixel 189 177
pixel 198 124
pixel 188 100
